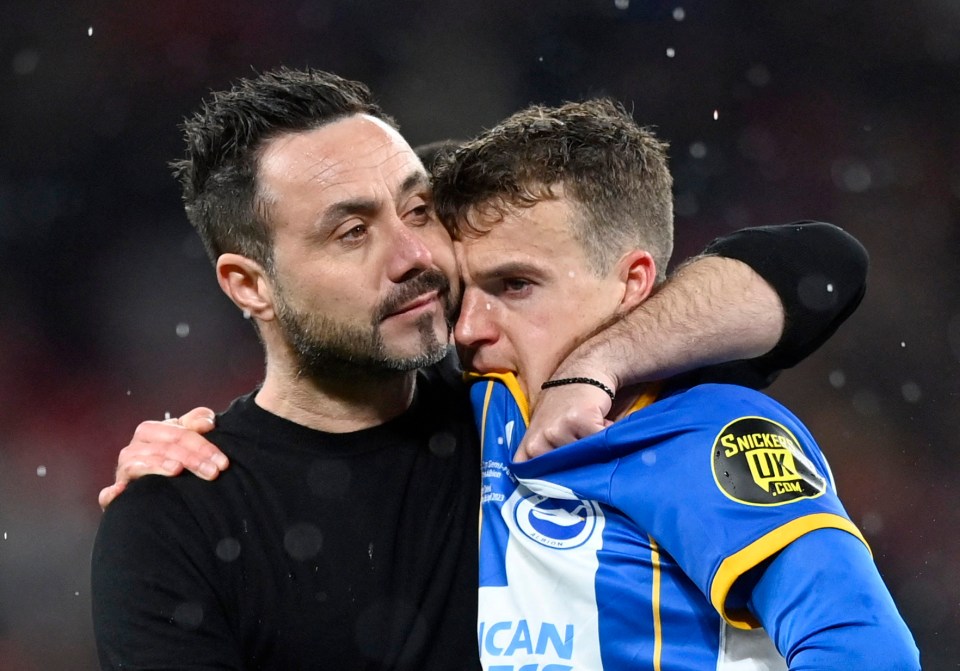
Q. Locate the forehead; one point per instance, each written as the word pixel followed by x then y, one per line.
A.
pixel 355 152
pixel 535 235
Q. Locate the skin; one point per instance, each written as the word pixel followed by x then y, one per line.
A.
pixel 682 326
pixel 531 295
pixel 353 235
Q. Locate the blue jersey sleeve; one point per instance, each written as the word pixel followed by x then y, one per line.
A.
pixel 722 477
pixel 824 604
pixel 730 479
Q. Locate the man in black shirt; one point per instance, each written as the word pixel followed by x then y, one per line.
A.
pixel 343 534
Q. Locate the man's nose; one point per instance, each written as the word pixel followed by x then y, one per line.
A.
pixel 409 254
pixel 476 325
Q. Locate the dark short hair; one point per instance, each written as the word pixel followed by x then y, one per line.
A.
pixel 225 138
pixel 614 172
pixel 432 154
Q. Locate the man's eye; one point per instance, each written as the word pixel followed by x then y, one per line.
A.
pixel 355 234
pixel 419 215
pixel 516 285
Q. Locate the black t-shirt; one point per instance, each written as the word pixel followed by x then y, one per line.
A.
pixel 312 551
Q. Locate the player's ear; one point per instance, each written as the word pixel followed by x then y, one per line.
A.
pixel 638 272
pixel 247 284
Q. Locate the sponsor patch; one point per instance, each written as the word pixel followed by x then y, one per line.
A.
pixel 759 462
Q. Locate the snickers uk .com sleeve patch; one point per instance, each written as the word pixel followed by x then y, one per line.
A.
pixel 759 462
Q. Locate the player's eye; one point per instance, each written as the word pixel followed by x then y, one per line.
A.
pixel 516 286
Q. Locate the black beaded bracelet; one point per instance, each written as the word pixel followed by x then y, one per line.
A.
pixel 579 380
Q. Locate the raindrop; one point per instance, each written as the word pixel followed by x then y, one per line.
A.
pixel 716 114
pixel 303 541
pixel 4 535
pixel 903 344
pixel 442 443
pixel 25 62
pixel 837 379
pixel 188 615
pixel 671 52
pixel 829 288
pixel 540 59
pixel 679 14
pixel 758 75
pixel 228 549
pixel 815 294
pixel 910 391
pixel 183 329
pixel 621 4
pixel 41 471
pixel 76 593
pixel 129 392
pixel 698 150
pixel 90 31
pixel 851 175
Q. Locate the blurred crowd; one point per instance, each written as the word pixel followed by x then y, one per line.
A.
pixel 847 112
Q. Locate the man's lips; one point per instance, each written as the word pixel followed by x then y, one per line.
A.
pixel 418 304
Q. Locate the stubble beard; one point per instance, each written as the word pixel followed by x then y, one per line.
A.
pixel 327 348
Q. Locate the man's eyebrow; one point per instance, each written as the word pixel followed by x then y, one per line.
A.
pixel 415 181
pixel 332 215
pixel 510 269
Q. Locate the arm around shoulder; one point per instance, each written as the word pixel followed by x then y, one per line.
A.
pixel 819 272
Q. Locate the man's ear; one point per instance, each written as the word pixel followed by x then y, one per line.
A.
pixel 247 284
pixel 638 272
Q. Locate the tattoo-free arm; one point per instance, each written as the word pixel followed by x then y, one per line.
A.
pixel 764 298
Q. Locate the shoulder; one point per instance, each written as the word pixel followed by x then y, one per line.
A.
pixel 711 406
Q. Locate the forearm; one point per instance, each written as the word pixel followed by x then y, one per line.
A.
pixel 712 310
pixel 819 272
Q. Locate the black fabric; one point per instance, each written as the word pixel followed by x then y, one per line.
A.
pixel 312 551
pixel 820 273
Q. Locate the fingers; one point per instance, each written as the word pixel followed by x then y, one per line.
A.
pixel 563 415
pixel 108 494
pixel 200 420
pixel 166 448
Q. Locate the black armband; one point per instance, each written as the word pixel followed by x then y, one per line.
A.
pixel 820 273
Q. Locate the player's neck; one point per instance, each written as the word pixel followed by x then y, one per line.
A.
pixel 336 405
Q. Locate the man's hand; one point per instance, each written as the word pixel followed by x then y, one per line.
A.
pixel 167 448
pixel 563 415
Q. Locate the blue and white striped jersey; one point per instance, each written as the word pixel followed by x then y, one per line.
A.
pixel 623 550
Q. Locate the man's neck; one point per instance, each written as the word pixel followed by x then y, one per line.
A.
pixel 337 405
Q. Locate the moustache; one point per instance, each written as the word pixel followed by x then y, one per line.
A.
pixel 428 280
